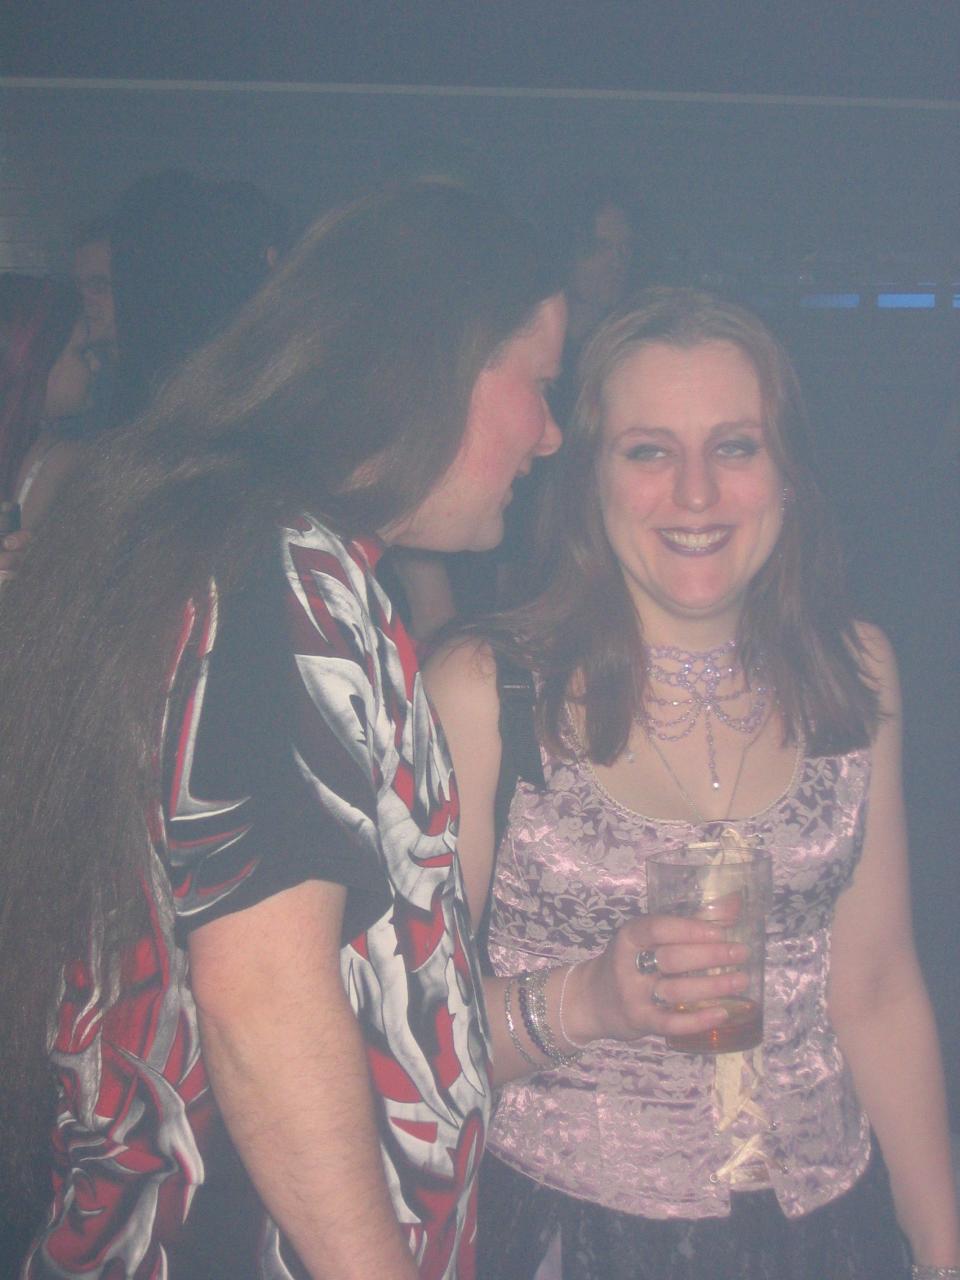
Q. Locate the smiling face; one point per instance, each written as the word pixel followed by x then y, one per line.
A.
pixel 689 494
pixel 509 425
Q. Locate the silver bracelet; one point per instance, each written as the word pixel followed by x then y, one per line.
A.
pixel 919 1272
pixel 511 1027
pixel 533 1002
pixel 574 1044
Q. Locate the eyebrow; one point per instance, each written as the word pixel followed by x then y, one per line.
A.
pixel 719 428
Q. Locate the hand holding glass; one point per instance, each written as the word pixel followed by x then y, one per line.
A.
pixel 694 881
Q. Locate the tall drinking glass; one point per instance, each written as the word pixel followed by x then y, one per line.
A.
pixel 733 886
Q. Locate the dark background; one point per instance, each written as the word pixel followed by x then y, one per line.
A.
pixel 778 150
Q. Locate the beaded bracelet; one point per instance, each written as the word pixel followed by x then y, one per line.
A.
pixel 533 1007
pixel 511 1026
pixel 920 1272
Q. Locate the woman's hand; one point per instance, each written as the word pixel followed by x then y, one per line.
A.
pixel 609 997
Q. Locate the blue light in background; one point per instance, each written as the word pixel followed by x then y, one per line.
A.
pixel 907 301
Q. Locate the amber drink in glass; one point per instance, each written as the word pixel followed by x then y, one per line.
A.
pixel 733 887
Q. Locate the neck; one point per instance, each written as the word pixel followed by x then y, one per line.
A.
pixel 696 635
pixel 693 639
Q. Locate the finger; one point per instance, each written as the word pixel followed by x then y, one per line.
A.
pixel 671 1023
pixel 648 932
pixel 691 958
pixel 692 990
pixel 15 541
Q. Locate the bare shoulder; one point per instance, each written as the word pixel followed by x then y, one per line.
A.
pixel 462 675
pixel 880 664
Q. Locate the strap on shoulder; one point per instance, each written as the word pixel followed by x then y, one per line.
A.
pixel 520 750
pixel 519 758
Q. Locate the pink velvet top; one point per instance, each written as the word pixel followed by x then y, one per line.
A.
pixel 635 1126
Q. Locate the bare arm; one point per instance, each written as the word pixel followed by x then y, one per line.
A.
pixel 879 1006
pixel 285 1058
pixel 606 997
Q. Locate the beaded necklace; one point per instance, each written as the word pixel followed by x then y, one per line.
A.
pixel 698 676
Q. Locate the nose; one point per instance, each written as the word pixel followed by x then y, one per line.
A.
pixel 551 439
pixel 695 488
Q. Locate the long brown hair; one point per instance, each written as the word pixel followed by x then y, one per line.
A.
pixel 357 359
pixel 582 632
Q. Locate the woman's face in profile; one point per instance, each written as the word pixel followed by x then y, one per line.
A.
pixel 509 426
pixel 690 495
pixel 68 383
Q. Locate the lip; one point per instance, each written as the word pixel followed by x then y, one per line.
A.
pixel 706 541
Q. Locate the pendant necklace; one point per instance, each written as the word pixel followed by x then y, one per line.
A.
pixel 701 818
pixel 695 679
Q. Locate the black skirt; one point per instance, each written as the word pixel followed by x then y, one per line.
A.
pixel 854 1237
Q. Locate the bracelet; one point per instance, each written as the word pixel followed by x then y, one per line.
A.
pixel 919 1272
pixel 511 1026
pixel 574 1044
pixel 526 1012
pixel 533 1007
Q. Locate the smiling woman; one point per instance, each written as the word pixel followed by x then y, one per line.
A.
pixel 691 497
pixel 697 678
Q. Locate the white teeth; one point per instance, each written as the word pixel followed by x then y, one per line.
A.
pixel 694 541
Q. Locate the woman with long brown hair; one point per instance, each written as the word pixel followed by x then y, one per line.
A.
pixel 231 917
pixel 698 677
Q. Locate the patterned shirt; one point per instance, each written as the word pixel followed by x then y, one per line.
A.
pixel 638 1127
pixel 298 744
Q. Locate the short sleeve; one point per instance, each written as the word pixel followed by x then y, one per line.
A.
pixel 263 787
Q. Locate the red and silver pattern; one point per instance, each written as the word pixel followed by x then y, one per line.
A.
pixel 133 1146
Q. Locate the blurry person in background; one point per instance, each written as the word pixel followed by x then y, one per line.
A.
pixel 92 270
pixel 601 245
pixel 166 270
pixel 93 273
pixel 186 254
pixel 46 364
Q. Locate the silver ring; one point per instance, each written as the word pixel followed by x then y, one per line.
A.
pixel 646 962
pixel 657 999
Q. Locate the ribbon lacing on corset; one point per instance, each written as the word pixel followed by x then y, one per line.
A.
pixel 737 1075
